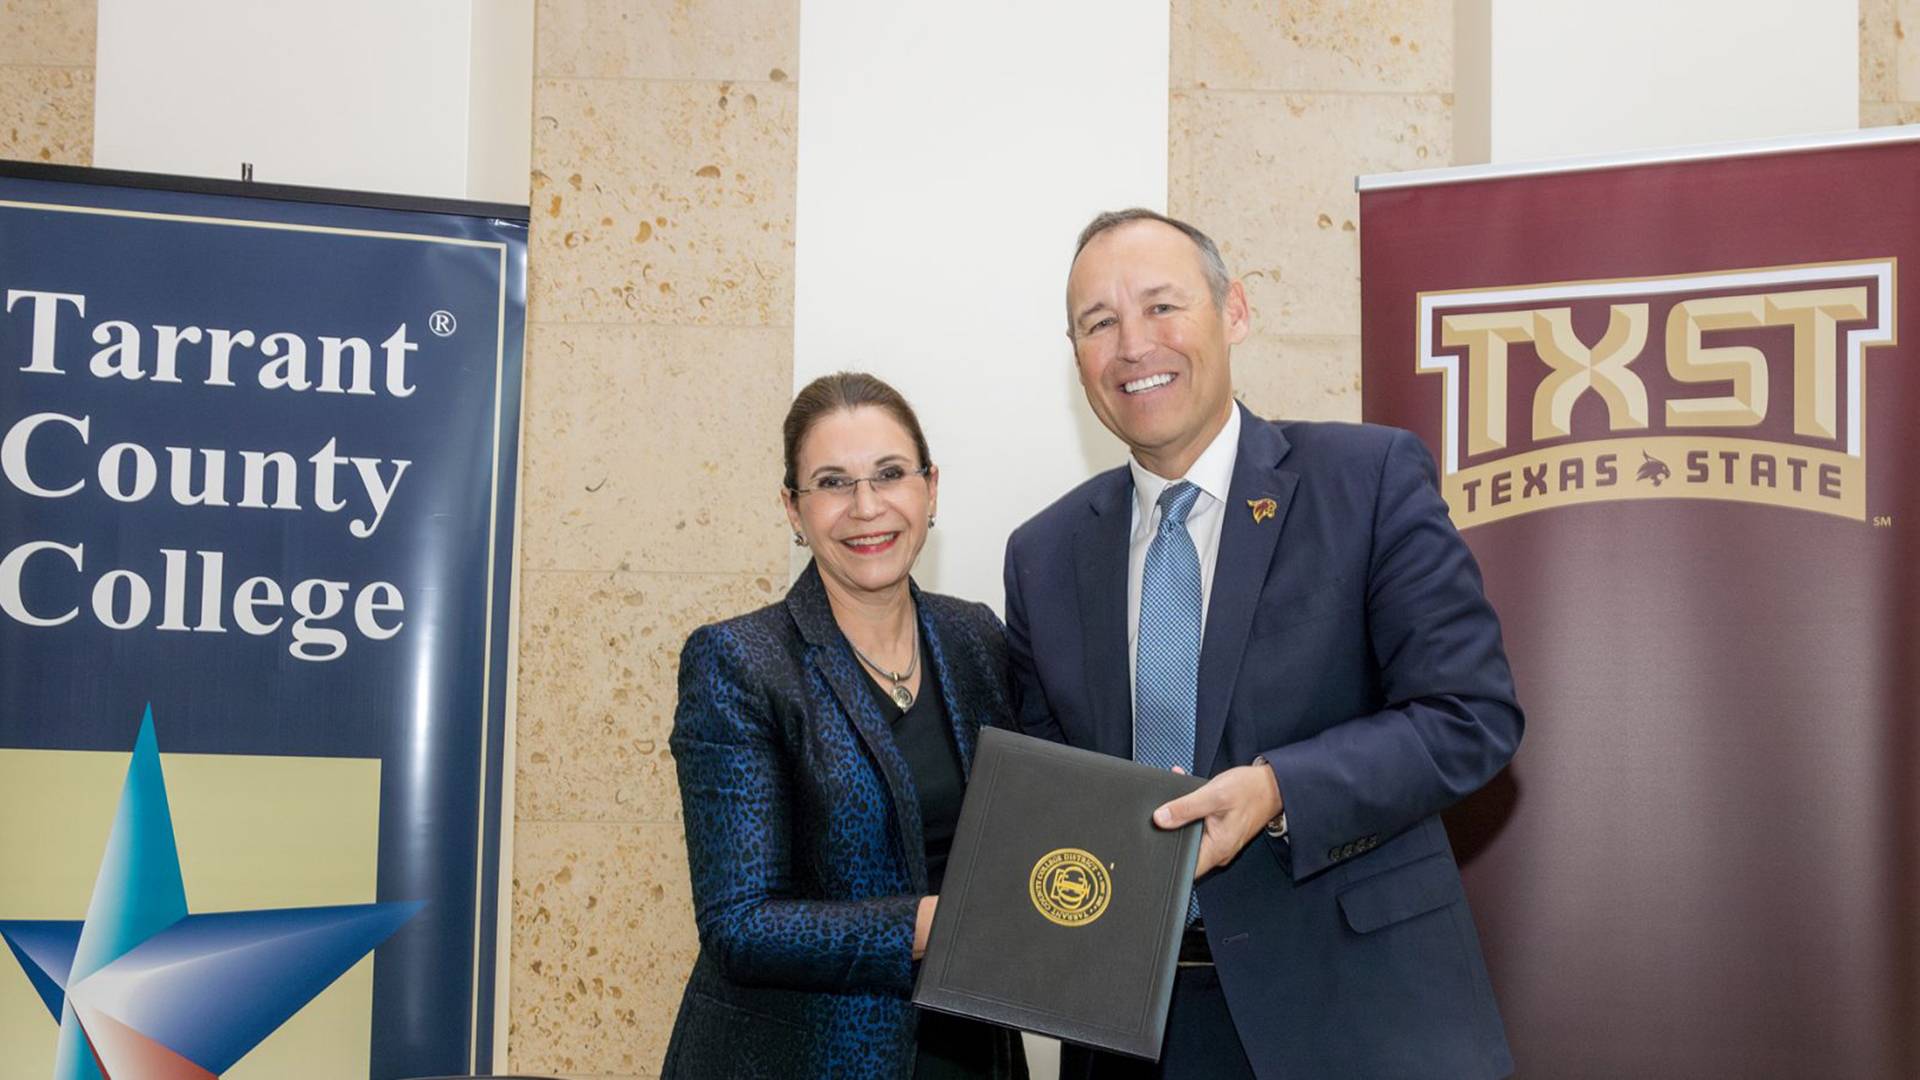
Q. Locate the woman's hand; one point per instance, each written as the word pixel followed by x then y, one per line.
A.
pixel 923 925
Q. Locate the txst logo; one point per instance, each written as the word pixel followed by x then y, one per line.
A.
pixel 1740 385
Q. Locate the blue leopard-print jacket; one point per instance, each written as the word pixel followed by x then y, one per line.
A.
pixel 804 842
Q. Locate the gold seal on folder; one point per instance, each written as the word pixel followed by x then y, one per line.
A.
pixel 1070 887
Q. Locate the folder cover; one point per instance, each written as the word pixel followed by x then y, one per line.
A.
pixel 1063 904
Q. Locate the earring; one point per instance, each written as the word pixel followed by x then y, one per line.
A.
pixel 798 540
pixel 929 521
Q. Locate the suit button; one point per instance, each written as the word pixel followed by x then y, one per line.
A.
pixel 1333 854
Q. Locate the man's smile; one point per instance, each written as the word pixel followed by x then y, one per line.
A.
pixel 1146 383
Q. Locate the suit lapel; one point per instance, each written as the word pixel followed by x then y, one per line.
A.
pixel 952 694
pixel 1240 571
pixel 830 655
pixel 1100 579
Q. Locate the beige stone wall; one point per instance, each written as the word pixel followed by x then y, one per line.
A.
pixel 1889 62
pixel 659 364
pixel 1274 109
pixel 46 80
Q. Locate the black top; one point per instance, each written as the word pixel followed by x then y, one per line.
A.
pixel 925 739
pixel 950 1047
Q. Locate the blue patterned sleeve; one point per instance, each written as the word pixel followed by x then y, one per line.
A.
pixel 737 798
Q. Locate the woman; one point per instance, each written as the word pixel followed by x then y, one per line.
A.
pixel 822 744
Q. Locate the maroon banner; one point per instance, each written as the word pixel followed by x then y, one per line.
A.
pixel 1676 424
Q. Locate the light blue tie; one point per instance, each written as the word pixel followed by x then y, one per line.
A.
pixel 1167 657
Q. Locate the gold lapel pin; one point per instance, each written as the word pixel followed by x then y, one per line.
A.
pixel 1262 509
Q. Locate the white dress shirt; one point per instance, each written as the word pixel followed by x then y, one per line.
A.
pixel 1212 473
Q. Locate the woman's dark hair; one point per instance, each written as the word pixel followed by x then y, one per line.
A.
pixel 844 391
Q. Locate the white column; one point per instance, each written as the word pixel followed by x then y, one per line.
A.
pixel 1558 78
pixel 428 97
pixel 949 155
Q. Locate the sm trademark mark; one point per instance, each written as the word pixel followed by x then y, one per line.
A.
pixel 1750 382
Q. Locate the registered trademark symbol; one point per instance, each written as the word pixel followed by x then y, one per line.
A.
pixel 442 323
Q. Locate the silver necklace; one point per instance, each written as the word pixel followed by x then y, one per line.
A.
pixel 902 696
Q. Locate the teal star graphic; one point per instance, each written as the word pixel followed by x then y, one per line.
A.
pixel 144 990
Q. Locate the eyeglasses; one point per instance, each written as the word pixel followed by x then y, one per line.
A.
pixel 884 482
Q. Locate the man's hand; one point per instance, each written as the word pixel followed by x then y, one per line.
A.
pixel 1233 807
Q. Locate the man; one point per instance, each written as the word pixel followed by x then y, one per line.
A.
pixel 1301 624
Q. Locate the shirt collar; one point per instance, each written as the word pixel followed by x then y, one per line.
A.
pixel 1212 471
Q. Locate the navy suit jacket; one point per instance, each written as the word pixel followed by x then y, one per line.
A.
pixel 804 840
pixel 1348 642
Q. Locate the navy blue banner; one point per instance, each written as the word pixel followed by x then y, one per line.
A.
pixel 257 475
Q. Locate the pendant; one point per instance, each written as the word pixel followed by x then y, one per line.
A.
pixel 902 696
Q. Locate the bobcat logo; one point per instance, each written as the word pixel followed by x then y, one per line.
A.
pixel 1653 469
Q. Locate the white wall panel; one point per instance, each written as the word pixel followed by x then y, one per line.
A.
pixel 359 94
pixel 1558 78
pixel 949 154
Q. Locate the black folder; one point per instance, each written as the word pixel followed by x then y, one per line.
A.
pixel 1063 904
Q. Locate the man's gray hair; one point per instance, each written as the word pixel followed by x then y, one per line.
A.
pixel 1210 260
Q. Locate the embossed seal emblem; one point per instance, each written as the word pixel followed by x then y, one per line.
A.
pixel 1070 887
